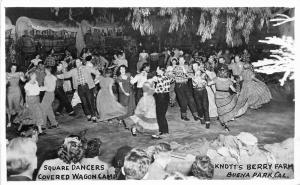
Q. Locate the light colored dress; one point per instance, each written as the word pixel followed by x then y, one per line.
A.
pixel 211 90
pixel 145 112
pixel 14 96
pixel 34 105
pixel 107 105
pixel 67 83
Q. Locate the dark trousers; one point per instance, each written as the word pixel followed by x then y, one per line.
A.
pixel 162 102
pixel 201 100
pixel 87 99
pixel 42 94
pixel 238 84
pixel 138 95
pixel 63 100
pixel 185 98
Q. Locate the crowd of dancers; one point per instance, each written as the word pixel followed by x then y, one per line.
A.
pixel 221 85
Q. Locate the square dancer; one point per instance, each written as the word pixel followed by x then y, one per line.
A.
pixel 162 90
pixel 140 79
pixel 200 93
pixel 183 91
pixel 83 82
pixel 46 104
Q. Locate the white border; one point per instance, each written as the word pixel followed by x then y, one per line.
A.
pixel 145 3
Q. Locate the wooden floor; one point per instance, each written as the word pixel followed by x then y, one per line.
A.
pixel 272 123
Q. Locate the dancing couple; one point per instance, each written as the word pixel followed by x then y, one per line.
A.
pixel 150 113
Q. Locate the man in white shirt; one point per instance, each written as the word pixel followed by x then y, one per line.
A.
pixel 49 88
pixel 140 79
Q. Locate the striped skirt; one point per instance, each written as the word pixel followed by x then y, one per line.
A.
pixel 226 106
pixel 254 94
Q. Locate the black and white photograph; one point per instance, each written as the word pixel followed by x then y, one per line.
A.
pixel 148 92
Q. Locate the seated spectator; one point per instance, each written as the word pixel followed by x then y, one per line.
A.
pixel 92 153
pixel 118 161
pixel 21 159
pixel 161 154
pixel 136 164
pixel 68 163
pixel 202 168
pixel 175 176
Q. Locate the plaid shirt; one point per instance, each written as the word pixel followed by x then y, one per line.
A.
pixel 199 80
pixel 180 75
pixel 81 80
pixel 162 84
pixel 50 61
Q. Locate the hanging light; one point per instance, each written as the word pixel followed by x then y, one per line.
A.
pixel 92 11
pixel 70 14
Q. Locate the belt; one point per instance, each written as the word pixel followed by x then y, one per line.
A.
pixel 182 82
pixel 199 89
pixel 82 84
pixel 162 92
pixel 223 90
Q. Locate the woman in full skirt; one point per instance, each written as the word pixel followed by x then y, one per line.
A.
pixel 254 93
pixel 13 94
pixel 126 93
pixel 226 101
pixel 144 117
pixel 107 105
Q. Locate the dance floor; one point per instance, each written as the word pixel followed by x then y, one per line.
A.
pixel 272 123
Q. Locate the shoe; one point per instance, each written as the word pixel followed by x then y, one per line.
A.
pixel 20 128
pixel 124 124
pixel 226 128
pixel 72 113
pixel 94 119
pixel 202 121
pixel 42 134
pixel 55 126
pixel 155 137
pixel 133 131
pixel 196 118
pixel 163 135
pixel 89 118
pixel 185 119
pixel 207 125
pixel 57 113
